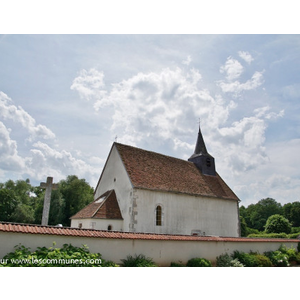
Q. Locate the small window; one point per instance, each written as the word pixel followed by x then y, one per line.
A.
pixel 109 227
pixel 79 225
pixel 158 215
pixel 92 225
pixel 208 162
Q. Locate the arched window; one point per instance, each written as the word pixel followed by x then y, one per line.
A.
pixel 109 227
pixel 158 215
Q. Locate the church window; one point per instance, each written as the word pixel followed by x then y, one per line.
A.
pixel 158 215
pixel 80 225
pixel 109 227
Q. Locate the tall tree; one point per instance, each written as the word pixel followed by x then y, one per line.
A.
pixel 256 215
pixel 77 193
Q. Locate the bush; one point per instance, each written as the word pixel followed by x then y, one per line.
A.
pixel 269 235
pixel 294 235
pixel 174 264
pixel 138 261
pixel 198 262
pixel 224 260
pixel 248 260
pixel 278 224
pixel 262 261
pixel 67 256
pixel 290 252
pixel 236 263
pixel 278 258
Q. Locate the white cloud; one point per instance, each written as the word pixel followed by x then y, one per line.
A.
pixel 237 87
pixel 19 115
pixel 89 84
pixel 232 68
pixel 149 108
pixel 187 61
pixel 9 158
pixel 246 56
pixel 45 160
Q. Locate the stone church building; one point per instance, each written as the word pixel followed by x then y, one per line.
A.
pixel 148 192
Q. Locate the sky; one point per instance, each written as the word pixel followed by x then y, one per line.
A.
pixel 65 98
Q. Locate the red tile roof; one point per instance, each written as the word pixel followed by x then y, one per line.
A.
pixel 92 233
pixel 154 171
pixel 104 207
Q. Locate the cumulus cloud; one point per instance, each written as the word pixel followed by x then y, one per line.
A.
pixel 45 160
pixel 232 68
pixel 9 158
pixel 19 115
pixel 164 107
pixel 246 56
pixel 89 84
pixel 237 87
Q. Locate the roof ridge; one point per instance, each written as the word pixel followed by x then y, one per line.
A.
pixel 151 151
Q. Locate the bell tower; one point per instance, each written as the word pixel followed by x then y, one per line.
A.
pixel 202 159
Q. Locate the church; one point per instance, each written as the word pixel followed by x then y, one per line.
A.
pixel 147 192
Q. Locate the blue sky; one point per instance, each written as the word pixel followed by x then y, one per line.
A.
pixel 65 98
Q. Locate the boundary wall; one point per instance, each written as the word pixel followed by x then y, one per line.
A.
pixel 112 245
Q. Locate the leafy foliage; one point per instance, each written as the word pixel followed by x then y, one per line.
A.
pixel 22 203
pixel 277 258
pixel 67 256
pixel 257 214
pixel 277 224
pixel 137 261
pixel 198 262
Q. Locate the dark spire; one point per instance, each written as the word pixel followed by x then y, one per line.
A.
pixel 200 145
pixel 201 158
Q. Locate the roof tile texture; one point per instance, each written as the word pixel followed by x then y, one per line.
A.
pixel 150 170
pixel 108 208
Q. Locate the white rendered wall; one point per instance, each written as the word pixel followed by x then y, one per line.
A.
pixel 114 176
pixel 99 224
pixel 163 252
pixel 183 213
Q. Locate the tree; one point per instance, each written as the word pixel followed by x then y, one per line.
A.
pixel 257 214
pixel 8 203
pixel 278 224
pixel 77 193
pixel 291 211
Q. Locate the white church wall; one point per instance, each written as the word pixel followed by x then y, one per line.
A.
pixel 181 214
pixel 163 252
pixel 99 224
pixel 114 176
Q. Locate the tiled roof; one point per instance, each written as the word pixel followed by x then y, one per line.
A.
pixel 150 170
pixel 92 233
pixel 104 207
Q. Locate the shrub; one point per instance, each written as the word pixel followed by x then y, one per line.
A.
pixel 294 235
pixel 262 261
pixel 198 262
pixel 290 252
pixel 295 230
pixel 174 264
pixel 236 263
pixel 67 256
pixel 247 259
pixel 224 260
pixel 269 235
pixel 278 258
pixel 137 261
pixel 277 224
